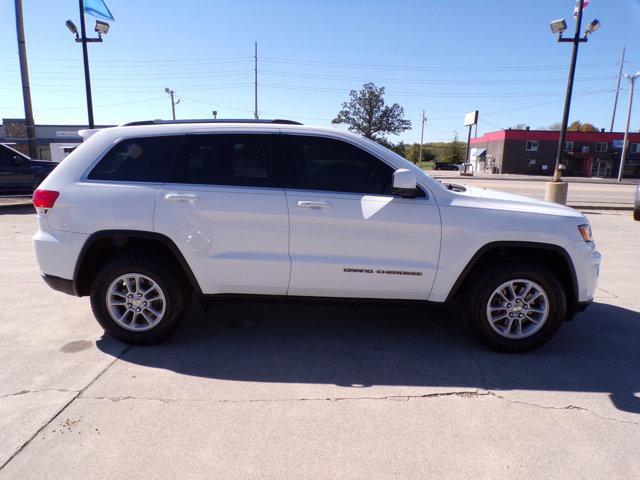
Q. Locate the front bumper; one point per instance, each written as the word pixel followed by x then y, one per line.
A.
pixel 63 285
pixel 586 262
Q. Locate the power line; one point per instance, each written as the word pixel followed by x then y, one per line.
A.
pixel 424 68
pixel 432 82
pixel 527 107
pixel 421 94
pixel 100 106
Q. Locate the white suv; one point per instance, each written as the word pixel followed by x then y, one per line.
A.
pixel 142 215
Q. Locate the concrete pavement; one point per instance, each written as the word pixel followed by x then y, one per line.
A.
pixel 263 390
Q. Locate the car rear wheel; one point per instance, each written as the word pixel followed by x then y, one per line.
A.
pixel 138 300
pixel 516 306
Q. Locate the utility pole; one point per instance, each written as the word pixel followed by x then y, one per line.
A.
pixel 85 57
pixel 26 89
pixel 255 78
pixel 615 102
pixel 623 157
pixel 424 119
pixel 174 102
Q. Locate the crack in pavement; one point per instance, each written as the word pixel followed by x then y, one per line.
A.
pixel 25 392
pixel 64 407
pixel 607 292
pixel 479 393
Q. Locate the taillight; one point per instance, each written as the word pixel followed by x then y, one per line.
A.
pixel 45 198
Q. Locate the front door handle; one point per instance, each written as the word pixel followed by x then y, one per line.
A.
pixel 309 204
pixel 182 197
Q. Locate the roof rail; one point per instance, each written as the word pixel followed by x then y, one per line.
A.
pixel 209 120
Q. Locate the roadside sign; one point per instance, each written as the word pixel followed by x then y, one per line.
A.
pixel 471 118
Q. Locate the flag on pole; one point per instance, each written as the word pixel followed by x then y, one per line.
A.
pixel 584 5
pixel 98 8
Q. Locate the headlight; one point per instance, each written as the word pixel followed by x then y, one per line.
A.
pixel 585 231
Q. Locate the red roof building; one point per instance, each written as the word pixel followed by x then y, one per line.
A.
pixel 534 152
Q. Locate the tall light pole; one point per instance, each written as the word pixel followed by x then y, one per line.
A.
pixel 26 89
pixel 556 190
pixel 625 145
pixel 101 28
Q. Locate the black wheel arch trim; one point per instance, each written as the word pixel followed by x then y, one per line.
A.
pixel 515 244
pixel 139 234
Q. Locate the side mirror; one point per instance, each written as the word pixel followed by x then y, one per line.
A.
pixel 18 160
pixel 404 183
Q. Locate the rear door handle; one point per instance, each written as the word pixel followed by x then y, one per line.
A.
pixel 182 197
pixel 309 204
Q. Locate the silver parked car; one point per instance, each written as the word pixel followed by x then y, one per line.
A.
pixel 636 204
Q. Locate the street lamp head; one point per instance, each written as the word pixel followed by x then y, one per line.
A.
pixel 592 27
pixel 72 27
pixel 558 26
pixel 102 28
pixel 166 90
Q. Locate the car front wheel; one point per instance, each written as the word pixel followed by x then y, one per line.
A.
pixel 516 306
pixel 138 300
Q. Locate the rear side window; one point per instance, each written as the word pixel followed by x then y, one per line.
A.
pixel 137 160
pixel 332 165
pixel 238 160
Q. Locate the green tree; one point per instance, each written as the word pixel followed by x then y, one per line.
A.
pixel 400 148
pixel 454 151
pixel 413 152
pixel 578 126
pixel 367 114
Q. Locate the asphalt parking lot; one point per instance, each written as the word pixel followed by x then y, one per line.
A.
pixel 272 391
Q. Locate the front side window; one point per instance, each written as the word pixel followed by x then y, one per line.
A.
pixel 235 160
pixel 532 145
pixel 332 165
pixel 137 160
pixel 601 146
pixel 6 156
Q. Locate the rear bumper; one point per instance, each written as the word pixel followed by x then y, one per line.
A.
pixel 63 285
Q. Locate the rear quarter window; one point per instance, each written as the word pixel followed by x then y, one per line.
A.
pixel 137 160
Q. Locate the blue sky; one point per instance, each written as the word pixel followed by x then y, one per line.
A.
pixel 448 57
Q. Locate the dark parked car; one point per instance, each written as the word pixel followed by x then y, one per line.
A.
pixel 18 173
pixel 446 166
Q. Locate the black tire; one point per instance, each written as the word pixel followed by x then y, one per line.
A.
pixel 636 213
pixel 487 281
pixel 175 292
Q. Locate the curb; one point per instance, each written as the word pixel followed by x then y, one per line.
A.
pixel 627 181
pixel 622 208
